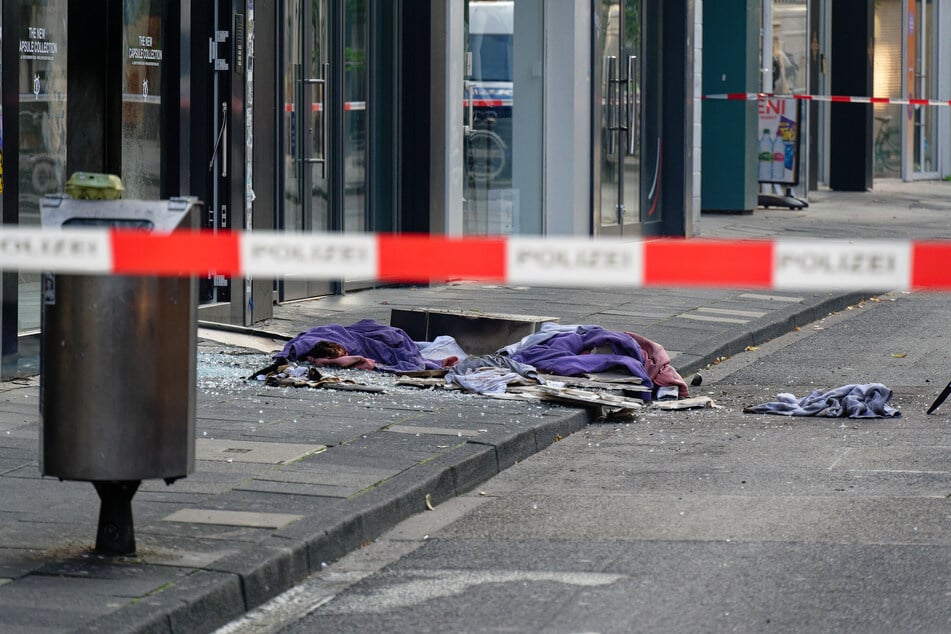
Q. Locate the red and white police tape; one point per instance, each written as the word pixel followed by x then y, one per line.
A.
pixel 570 262
pixel 897 101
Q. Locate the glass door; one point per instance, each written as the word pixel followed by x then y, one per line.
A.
pixel 42 117
pixel 628 148
pixel 325 125
pixel 306 195
pixel 923 23
pixel 143 39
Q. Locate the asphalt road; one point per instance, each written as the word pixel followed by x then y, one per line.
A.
pixel 693 521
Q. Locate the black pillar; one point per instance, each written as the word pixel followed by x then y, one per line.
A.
pixel 415 118
pixel 817 69
pixel 94 82
pixel 850 133
pixel 676 158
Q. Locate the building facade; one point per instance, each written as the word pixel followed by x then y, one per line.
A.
pixel 448 117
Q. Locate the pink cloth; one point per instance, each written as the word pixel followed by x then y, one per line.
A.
pixel 657 364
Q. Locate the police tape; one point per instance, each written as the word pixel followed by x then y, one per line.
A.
pixel 569 262
pixel 896 101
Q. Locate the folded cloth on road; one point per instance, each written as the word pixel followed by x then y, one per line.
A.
pixel 491 374
pixel 390 348
pixel 848 401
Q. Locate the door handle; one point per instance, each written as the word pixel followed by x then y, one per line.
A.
pixel 221 143
pixel 306 83
pixel 633 94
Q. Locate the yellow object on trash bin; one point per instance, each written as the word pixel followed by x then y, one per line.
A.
pixel 93 186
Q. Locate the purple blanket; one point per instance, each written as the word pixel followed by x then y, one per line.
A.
pixel 390 347
pixel 565 353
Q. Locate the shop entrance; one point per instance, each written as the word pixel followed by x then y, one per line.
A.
pixel 324 127
pixel 923 84
pixel 628 148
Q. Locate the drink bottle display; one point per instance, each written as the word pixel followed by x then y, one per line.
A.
pixel 765 172
pixel 779 159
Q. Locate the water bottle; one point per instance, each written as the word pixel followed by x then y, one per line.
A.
pixel 790 155
pixel 779 159
pixel 765 157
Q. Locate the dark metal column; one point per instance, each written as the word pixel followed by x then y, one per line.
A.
pixel 850 129
pixel 415 116
pixel 9 206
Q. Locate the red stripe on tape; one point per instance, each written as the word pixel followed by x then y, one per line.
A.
pixel 929 265
pixel 708 263
pixel 423 258
pixel 177 253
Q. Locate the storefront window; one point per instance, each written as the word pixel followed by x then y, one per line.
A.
pixel 355 114
pixel 923 22
pixel 887 83
pixel 42 118
pixel 141 98
pixel 790 48
pixel 628 117
pixel 503 117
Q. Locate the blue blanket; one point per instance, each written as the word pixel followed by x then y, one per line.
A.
pixel 848 401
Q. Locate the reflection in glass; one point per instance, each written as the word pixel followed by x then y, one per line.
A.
pixel 790 47
pixel 143 40
pixel 502 119
pixel 313 100
pixel 927 86
pixel 42 118
pixel 355 115
pixel 886 146
pixel 619 86
pixel 291 126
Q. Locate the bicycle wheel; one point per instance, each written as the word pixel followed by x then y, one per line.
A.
pixel 887 151
pixel 891 151
pixel 485 155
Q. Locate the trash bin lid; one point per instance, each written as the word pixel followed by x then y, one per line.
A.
pixel 161 216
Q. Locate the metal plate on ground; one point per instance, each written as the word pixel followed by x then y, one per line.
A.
pixel 233 518
pixel 255 452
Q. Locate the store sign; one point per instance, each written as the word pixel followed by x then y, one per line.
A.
pixel 38 46
pixel 777 150
pixel 145 54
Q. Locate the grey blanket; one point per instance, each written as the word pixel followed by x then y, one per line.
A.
pixel 848 401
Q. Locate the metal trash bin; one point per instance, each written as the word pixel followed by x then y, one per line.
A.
pixel 118 366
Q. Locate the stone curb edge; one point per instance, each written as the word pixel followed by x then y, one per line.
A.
pixel 212 597
pixel 227 589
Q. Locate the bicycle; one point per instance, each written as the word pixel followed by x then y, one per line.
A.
pixel 485 155
pixel 887 147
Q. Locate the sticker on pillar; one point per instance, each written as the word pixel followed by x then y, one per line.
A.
pixel 49 289
pixel 569 262
pixel 839 264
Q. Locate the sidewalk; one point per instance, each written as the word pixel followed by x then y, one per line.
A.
pixel 287 480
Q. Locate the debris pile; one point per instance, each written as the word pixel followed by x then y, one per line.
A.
pixel 618 372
